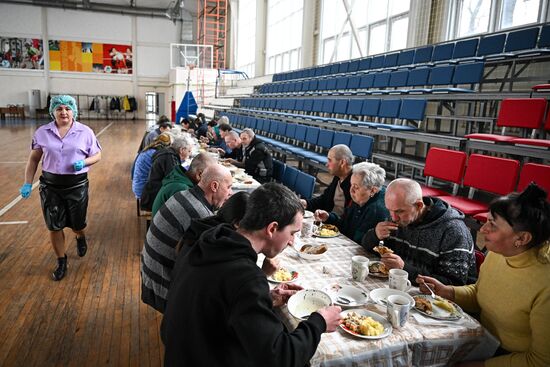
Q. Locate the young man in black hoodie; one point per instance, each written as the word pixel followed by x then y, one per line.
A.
pixel 220 309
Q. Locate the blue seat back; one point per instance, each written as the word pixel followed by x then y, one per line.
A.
pixel 423 54
pixel 312 135
pixel 354 107
pixel 491 45
pixel 544 39
pixel 331 84
pixel 377 62
pixel 328 105
pixel 361 146
pixel 418 77
pixel 300 134
pixel 399 78
pixel 333 69
pixel 465 48
pixel 278 170
pixel 353 66
pixel 340 106
pixel 341 137
pixel 290 130
pixel 366 81
pixel 524 39
pixel 413 109
pixel 370 107
pixel 343 67
pixel 391 60
pixel 381 80
pixel 443 52
pixel 304 185
pixel 406 57
pixel 342 83
pixel 353 82
pixel 281 129
pixel 325 138
pixel 364 64
pixel 308 105
pixel 468 73
pixel 317 105
pixel 389 108
pixel 289 177
pixel 322 85
pixel 441 75
pixel 273 127
pixel 299 106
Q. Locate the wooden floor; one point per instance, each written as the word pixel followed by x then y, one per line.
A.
pixel 94 316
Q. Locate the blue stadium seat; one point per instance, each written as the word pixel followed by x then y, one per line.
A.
pixel 370 107
pixel 418 77
pixel 354 82
pixel 441 75
pixel 342 83
pixel 361 146
pixel 382 80
pixel 304 185
pixel 491 45
pixel 354 107
pixel 364 64
pixel 325 138
pixel 413 109
pixel 312 135
pixel 544 39
pixel 406 58
pixel 328 105
pixel 391 60
pixel 523 39
pixel 340 106
pixel 423 55
pixel 443 52
pixel 289 177
pixel 353 66
pixel 399 78
pixel 366 81
pixel 341 137
pixel 343 67
pixel 377 62
pixel 389 108
pixel 317 105
pixel 466 48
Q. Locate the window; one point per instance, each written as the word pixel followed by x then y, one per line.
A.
pixel 246 37
pixel 381 26
pixel 284 35
pixel 481 16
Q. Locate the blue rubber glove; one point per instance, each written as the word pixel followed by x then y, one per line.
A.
pixel 78 165
pixel 25 190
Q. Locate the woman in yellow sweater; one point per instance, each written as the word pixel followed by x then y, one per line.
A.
pixel 512 293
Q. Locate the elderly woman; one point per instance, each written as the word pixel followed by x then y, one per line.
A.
pixel 67 149
pixel 512 293
pixel 144 161
pixel 367 209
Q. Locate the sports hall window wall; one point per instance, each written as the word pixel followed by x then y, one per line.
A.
pixel 284 35
pixel 379 26
pixel 481 16
pixel 246 37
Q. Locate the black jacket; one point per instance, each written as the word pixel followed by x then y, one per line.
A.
pixel 325 201
pixel 255 154
pixel 220 312
pixel 164 162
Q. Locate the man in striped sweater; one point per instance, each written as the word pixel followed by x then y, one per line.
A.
pixel 168 226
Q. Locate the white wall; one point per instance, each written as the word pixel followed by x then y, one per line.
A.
pixel 151 38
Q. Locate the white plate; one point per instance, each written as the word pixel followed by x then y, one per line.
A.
pixel 385 323
pixel 307 256
pixel 307 301
pixel 440 313
pixel 341 292
pixel 377 275
pixel 380 295
pixel 292 271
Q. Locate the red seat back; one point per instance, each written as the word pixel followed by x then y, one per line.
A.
pixel 539 173
pixel 496 175
pixel 445 164
pixel 480 258
pixel 547 123
pixel 522 112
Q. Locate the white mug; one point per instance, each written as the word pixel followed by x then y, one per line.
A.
pixel 307 228
pixel 398 310
pixel 359 268
pixel 399 280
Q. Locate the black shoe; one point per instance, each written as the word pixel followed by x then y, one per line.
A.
pixel 61 269
pixel 81 246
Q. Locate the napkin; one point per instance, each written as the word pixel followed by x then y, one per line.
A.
pixel 424 320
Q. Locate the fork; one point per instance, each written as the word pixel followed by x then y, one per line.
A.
pixel 431 290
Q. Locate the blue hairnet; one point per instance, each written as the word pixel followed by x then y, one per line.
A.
pixel 63 100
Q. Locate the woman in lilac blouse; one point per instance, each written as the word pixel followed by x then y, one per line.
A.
pixel 67 149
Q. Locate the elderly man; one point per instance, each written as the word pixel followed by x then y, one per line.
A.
pixel 168 226
pixel 427 236
pixel 180 179
pixel 258 161
pixel 163 162
pixel 164 124
pixel 220 310
pixel 336 196
pixel 367 209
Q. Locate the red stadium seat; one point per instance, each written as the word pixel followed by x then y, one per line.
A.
pixel 491 174
pixel 480 258
pixel 539 173
pixel 526 113
pixel 544 143
pixel 444 164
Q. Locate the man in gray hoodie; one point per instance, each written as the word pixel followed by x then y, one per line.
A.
pixel 426 235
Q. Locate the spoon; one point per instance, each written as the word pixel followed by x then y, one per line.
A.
pixel 343 300
pixel 431 291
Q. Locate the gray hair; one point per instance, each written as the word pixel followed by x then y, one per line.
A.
pixel 200 162
pixel 409 189
pixel 343 152
pixel 232 134
pixel 223 119
pixel 372 174
pixel 181 142
pixel 248 131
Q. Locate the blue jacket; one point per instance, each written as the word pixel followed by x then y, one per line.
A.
pixel 357 220
pixel 142 167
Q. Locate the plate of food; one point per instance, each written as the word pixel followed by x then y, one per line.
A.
pixel 365 324
pixel 327 231
pixel 378 269
pixel 380 295
pixel 283 275
pixel 312 252
pixel 346 295
pixel 438 308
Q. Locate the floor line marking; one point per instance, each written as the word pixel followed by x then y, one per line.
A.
pixel 15 222
pixel 5 209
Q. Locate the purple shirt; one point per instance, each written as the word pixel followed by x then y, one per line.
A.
pixel 58 155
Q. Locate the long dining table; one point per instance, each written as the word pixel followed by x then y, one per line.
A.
pixel 421 342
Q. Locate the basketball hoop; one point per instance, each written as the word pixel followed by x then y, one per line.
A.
pixel 190 66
